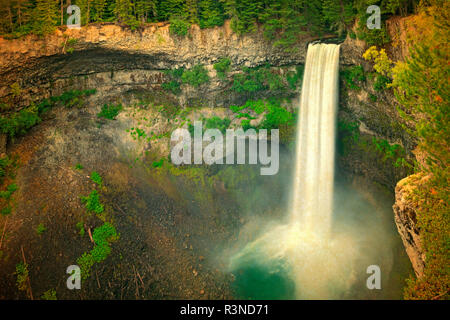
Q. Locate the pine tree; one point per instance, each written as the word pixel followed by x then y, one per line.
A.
pixel 98 7
pixel 6 16
pixel 86 10
pixel 145 10
pixel 191 11
pixel 171 8
pixel 23 12
pixel 124 11
pixel 211 13
pixel 45 16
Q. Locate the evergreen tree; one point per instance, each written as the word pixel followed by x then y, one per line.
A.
pixel 170 8
pixel 99 10
pixel 6 16
pixel 124 12
pixel 211 13
pixel 45 16
pixel 23 12
pixel 86 10
pixel 145 10
pixel 337 14
pixel 191 11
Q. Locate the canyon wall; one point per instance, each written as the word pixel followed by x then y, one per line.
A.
pixel 116 60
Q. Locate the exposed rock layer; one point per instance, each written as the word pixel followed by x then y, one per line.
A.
pixel 405 209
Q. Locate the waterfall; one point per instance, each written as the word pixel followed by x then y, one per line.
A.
pixel 318 262
pixel 312 195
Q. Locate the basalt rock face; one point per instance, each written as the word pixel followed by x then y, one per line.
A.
pixel 125 58
pixel 75 58
pixel 405 209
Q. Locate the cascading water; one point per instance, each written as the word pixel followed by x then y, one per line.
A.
pixel 318 263
pixel 312 197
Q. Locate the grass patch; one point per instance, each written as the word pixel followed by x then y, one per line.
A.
pixel 95 177
pixel 110 111
pixel 102 236
pixel 40 229
pixel 92 202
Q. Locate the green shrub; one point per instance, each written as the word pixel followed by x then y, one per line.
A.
pixel 195 76
pixel 381 82
pixel 109 111
pixel 256 79
pixel 40 229
pixel 96 178
pixel 78 166
pixel 92 202
pixel 85 262
pixel 222 67
pixel 179 26
pixel 352 76
pixel 158 164
pixel 49 295
pixel 20 122
pixel 72 98
pixel 348 134
pixel 102 237
pixel 218 123
pixel 245 124
pixel 80 227
pixel 6 210
pixel 22 276
pixel 276 116
pixel 294 78
pixel 172 86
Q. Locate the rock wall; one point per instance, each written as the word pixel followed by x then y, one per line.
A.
pixel 405 209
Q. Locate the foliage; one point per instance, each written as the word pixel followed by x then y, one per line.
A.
pixel 102 236
pixel 110 111
pixel 20 122
pixel 96 178
pixel 172 86
pixel 222 67
pixel 158 164
pixel 9 190
pixel 275 115
pixel 294 79
pixel 381 82
pixel 78 166
pixel 348 134
pixel 50 294
pixel 6 210
pixel 5 164
pixel 72 98
pixel 40 229
pixel 80 227
pixel 22 276
pixel 352 76
pixel 195 76
pixel 92 202
pixel 15 89
pixel 382 63
pixel 179 26
pixel 257 79
pixel 422 88
pixel 217 123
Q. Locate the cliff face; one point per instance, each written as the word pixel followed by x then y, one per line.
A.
pixel 405 208
pixel 47 65
pixel 126 58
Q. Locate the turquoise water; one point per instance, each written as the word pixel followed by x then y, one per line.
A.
pixel 256 281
